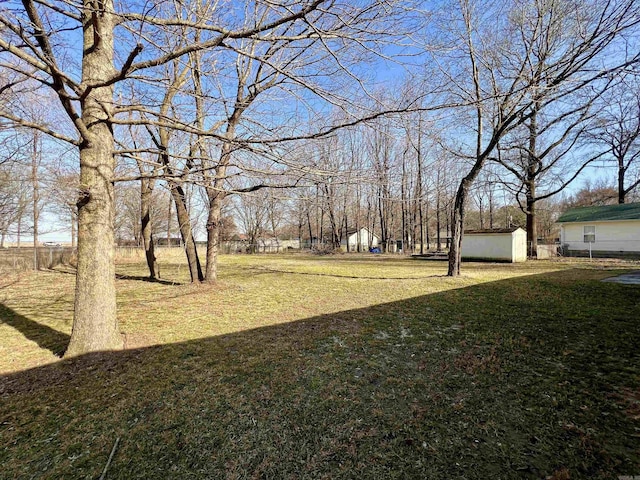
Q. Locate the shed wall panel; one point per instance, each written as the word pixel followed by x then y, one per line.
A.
pixel 490 246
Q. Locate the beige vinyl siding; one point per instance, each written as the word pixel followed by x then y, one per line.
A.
pixel 616 236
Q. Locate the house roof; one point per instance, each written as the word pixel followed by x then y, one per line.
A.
pixel 492 230
pixel 606 213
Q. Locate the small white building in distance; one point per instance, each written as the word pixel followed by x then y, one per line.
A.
pixel 605 231
pixel 362 238
pixel 499 245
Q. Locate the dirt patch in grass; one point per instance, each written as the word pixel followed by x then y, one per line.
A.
pixel 508 372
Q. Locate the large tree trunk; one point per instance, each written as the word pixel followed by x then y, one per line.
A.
pixel 419 205
pixel 184 224
pixel 147 235
pixel 622 194
pixel 214 224
pixel 532 230
pixel 457 228
pixel 95 324
pixel 335 236
pixel 216 195
pixel 532 172
pixel 457 222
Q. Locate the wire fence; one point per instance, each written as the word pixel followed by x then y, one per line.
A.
pixel 15 259
pixel 27 258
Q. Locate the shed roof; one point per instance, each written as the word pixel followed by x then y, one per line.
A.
pixel 351 231
pixel 491 230
pixel 606 213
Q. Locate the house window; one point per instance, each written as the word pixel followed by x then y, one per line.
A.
pixel 589 234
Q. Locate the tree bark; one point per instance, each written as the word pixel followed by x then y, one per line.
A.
pixel 214 225
pixel 95 324
pixel 622 193
pixel 455 252
pixel 438 224
pixel 532 172
pixel 310 229
pixel 184 224
pixel 419 193
pixel 457 223
pixel 532 229
pixel 216 195
pixel 146 233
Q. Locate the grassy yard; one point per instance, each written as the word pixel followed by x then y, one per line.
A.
pixel 329 367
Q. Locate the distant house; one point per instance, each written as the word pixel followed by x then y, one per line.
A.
pixel 502 245
pixel 239 237
pixel 275 245
pixel 162 241
pixel 239 243
pixel 362 238
pixel 609 230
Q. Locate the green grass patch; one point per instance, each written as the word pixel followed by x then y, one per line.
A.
pixel 329 367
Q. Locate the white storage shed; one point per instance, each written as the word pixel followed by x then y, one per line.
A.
pixel 360 240
pixel 501 245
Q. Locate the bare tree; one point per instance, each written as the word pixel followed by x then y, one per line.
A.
pixel 539 52
pixel 599 193
pixel 307 60
pixel 251 211
pixel 15 194
pixel 62 197
pixel 35 44
pixel 382 150
pixel 541 154
pixel 617 128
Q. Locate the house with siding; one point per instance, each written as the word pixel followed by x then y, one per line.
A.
pixel 603 231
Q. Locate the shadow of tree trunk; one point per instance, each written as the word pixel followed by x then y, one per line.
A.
pixel 46 337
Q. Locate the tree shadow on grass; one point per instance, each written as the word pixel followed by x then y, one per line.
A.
pixel 523 378
pixel 120 276
pixel 142 278
pixel 46 337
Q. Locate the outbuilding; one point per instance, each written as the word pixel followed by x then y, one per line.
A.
pixel 603 231
pixel 360 240
pixel 500 245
